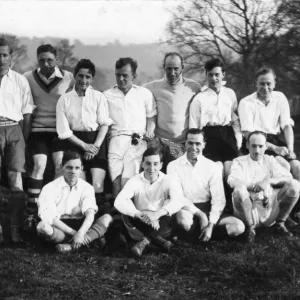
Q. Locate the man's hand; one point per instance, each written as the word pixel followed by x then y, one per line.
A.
pixel 91 148
pixel 151 215
pixel 282 151
pixel 150 134
pixel 261 186
pixel 78 240
pixel 203 220
pixel 291 155
pixel 206 233
pixel 88 156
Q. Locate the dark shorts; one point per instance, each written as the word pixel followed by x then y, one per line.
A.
pixel 89 137
pixel 220 143
pixel 12 148
pixel 41 142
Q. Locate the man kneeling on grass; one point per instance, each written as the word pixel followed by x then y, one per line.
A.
pixel 67 208
pixel 147 202
pixel 264 191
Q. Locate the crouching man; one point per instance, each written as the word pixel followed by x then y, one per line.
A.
pixel 147 202
pixel 201 183
pixel 264 192
pixel 67 208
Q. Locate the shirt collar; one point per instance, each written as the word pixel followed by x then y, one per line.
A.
pixel 184 159
pixel 251 161
pixel 9 74
pixel 255 97
pixel 160 177
pixel 207 88
pixel 56 73
pixel 87 91
pixel 64 184
pixel 134 86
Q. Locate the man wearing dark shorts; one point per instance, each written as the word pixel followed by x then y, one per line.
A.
pixel 82 121
pixel 268 111
pixel 16 107
pixel 203 193
pixel 47 83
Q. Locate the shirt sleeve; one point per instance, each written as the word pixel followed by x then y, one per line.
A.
pixel 195 114
pixel 246 115
pixel 62 123
pixel 46 205
pixel 27 101
pixel 88 200
pixel 285 113
pixel 237 174
pixel 277 170
pixel 218 200
pixel 151 110
pixel 102 112
pixel 123 202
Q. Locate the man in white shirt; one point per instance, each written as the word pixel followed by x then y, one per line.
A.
pixel 82 121
pixel 201 184
pixel 133 111
pixel 264 191
pixel 214 110
pixel 16 107
pixel 147 202
pixel 173 95
pixel 67 208
pixel 268 111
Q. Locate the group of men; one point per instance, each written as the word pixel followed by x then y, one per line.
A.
pixel 171 150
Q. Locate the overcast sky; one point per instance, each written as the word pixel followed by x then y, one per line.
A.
pixel 93 22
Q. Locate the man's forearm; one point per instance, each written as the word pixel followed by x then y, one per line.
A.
pixel 101 135
pixel 76 141
pixel 26 125
pixel 88 221
pixel 151 123
pixel 289 137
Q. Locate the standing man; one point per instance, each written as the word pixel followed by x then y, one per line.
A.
pixel 268 111
pixel 264 191
pixel 201 184
pixel 173 95
pixel 16 107
pixel 133 111
pixel 147 202
pixel 47 83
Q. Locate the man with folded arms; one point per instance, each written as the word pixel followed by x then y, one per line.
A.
pixel 264 191
pixel 133 111
pixel 147 202
pixel 203 198
pixel 67 208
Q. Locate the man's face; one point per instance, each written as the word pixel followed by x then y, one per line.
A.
pixel 257 146
pixel 47 62
pixel 265 84
pixel 215 77
pixel 151 166
pixel 71 171
pixel 173 68
pixel 83 80
pixel 124 77
pixel 194 145
pixel 5 58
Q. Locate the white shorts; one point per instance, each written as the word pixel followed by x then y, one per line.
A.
pixel 123 158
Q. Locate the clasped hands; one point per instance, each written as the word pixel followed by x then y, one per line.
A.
pixel 149 217
pixel 90 151
pixel 285 152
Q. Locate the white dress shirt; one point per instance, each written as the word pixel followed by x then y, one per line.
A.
pixel 56 73
pixel 130 112
pixel 248 171
pixel 200 183
pixel 255 115
pixel 59 200
pixel 15 96
pixel 161 193
pixel 77 113
pixel 210 109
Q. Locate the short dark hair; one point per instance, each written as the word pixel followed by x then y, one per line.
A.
pixel 172 54
pixel 256 132
pixel 214 62
pixel 5 42
pixel 263 71
pixel 46 48
pixel 70 155
pixel 153 151
pixel 195 131
pixel 124 61
pixel 85 64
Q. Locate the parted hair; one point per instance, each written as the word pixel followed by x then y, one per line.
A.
pixel 195 131
pixel 85 64
pixel 263 71
pixel 46 48
pixel 70 155
pixel 153 151
pixel 124 61
pixel 214 62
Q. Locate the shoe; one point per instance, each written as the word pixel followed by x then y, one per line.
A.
pixel 63 248
pixel 15 233
pixel 139 247
pixel 102 243
pixel 250 235
pixel 280 229
pixel 161 242
pixel 290 223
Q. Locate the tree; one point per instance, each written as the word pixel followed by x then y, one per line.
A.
pixel 66 53
pixel 19 56
pixel 229 29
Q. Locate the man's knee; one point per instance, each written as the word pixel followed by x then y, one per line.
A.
pixel 105 220
pixel 283 162
pixel 44 228
pixel 240 193
pixel 236 228
pixel 184 220
pixel 293 188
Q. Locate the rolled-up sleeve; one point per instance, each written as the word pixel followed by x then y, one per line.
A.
pixel 246 115
pixel 102 112
pixel 236 175
pixel 62 123
pixel 89 200
pixel 195 114
pixel 150 103
pixel 27 101
pixel 285 113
